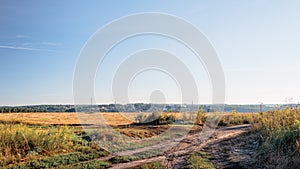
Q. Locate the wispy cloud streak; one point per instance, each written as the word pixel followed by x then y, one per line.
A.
pixel 26 48
pixel 23 36
pixel 51 43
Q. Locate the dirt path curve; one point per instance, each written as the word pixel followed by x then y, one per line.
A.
pixel 177 156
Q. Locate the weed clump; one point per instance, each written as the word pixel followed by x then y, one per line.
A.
pixel 280 139
pixel 200 160
pixel 43 147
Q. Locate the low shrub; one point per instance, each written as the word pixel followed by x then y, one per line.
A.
pixel 238 119
pixel 123 159
pixel 155 119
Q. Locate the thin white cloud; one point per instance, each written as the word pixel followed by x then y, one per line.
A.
pixel 51 43
pixel 26 48
pixel 23 36
pixel 25 44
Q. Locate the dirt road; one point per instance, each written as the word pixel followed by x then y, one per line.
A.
pixel 234 157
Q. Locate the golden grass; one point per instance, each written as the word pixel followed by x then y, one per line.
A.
pixel 113 119
pixel 40 118
pixel 71 118
pixel 19 142
pixel 65 118
pixel 280 139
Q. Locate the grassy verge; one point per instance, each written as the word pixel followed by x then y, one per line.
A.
pixel 24 146
pixel 123 159
pixel 280 139
pixel 235 118
pixel 71 159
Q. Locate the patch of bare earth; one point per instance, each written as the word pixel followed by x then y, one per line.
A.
pixel 236 151
pixel 231 147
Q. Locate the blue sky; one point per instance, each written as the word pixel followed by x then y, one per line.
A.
pixel 257 42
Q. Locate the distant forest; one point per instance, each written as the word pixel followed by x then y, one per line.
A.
pixel 141 107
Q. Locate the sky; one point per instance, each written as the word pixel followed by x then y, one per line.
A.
pixel 257 43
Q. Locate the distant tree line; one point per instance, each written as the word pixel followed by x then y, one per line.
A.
pixel 35 108
pixel 17 109
pixel 138 107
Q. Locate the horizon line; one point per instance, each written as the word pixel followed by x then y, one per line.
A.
pixel 72 104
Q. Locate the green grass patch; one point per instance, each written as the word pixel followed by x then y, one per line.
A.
pixel 200 160
pixel 123 159
pixel 93 164
pixel 148 153
pixel 154 165
pixel 58 160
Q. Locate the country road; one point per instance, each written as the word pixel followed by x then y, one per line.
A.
pixel 181 151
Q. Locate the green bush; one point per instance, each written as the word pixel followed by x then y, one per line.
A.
pixel 166 119
pixel 156 119
pixel 123 159
pixel 201 116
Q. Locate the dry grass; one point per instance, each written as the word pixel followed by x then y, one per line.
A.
pixel 67 118
pixel 63 118
pixel 143 131
pixel 279 132
pixel 280 139
pixel 113 119
pixel 233 118
pixel 20 142
pixel 40 118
